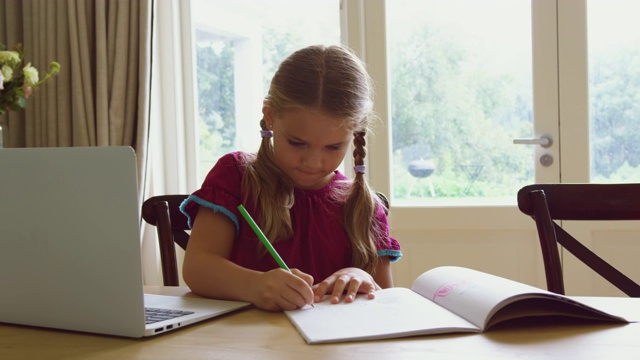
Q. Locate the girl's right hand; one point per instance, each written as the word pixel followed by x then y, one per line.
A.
pixel 279 289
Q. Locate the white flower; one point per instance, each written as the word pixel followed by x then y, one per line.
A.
pixel 9 58
pixel 7 73
pixel 18 82
pixel 31 76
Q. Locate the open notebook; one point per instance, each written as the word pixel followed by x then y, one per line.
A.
pixel 446 299
pixel 70 246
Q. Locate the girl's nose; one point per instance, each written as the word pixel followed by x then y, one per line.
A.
pixel 312 159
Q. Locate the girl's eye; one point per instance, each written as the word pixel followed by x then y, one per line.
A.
pixel 296 143
pixel 334 147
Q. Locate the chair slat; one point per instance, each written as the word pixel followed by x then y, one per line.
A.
pixel 171 225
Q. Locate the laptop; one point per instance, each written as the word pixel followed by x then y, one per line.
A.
pixel 70 255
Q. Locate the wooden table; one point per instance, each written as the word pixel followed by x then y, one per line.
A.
pixel 254 334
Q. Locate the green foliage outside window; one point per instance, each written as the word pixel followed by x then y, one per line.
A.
pixel 457 118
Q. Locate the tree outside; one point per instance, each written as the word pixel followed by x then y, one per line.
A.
pixel 448 110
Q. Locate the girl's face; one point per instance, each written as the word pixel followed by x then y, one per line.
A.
pixel 308 145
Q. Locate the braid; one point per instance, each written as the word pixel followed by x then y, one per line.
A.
pixel 359 152
pixel 359 212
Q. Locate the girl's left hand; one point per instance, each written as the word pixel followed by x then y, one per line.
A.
pixel 348 281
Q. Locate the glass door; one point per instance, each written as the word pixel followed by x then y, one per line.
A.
pixel 460 84
pixel 600 74
pixel 457 81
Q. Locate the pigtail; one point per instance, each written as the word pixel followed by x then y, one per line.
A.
pixel 270 191
pixel 359 212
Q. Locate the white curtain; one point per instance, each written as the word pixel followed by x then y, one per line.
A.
pixel 172 134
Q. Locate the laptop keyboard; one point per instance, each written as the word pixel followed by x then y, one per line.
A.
pixel 153 315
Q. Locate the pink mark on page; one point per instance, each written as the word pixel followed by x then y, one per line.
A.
pixel 445 289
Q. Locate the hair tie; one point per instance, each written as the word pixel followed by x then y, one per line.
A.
pixel 359 169
pixel 266 133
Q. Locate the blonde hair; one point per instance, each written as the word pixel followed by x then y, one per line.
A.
pixel 331 79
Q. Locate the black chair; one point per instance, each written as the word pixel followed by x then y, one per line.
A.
pixel 546 203
pixel 171 224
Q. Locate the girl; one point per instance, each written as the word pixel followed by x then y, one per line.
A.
pixel 332 231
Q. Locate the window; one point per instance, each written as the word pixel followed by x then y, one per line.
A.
pixel 460 85
pixel 239 44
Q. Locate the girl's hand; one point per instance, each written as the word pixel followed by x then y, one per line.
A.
pixel 348 281
pixel 279 289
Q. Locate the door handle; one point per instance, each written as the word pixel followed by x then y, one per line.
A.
pixel 545 141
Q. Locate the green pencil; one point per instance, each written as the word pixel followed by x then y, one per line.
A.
pixel 263 238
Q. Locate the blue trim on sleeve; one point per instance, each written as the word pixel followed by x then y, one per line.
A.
pixel 212 206
pixel 394 255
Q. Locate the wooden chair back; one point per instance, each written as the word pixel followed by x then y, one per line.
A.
pixel 171 225
pixel 546 203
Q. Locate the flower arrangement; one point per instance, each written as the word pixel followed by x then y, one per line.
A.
pixel 18 82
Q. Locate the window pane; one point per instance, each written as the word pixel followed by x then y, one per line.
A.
pixel 461 91
pixel 614 90
pixel 239 44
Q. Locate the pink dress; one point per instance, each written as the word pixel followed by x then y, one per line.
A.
pixel 320 245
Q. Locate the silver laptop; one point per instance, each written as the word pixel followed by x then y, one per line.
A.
pixel 70 253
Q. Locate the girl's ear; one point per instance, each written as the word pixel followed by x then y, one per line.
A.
pixel 267 116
